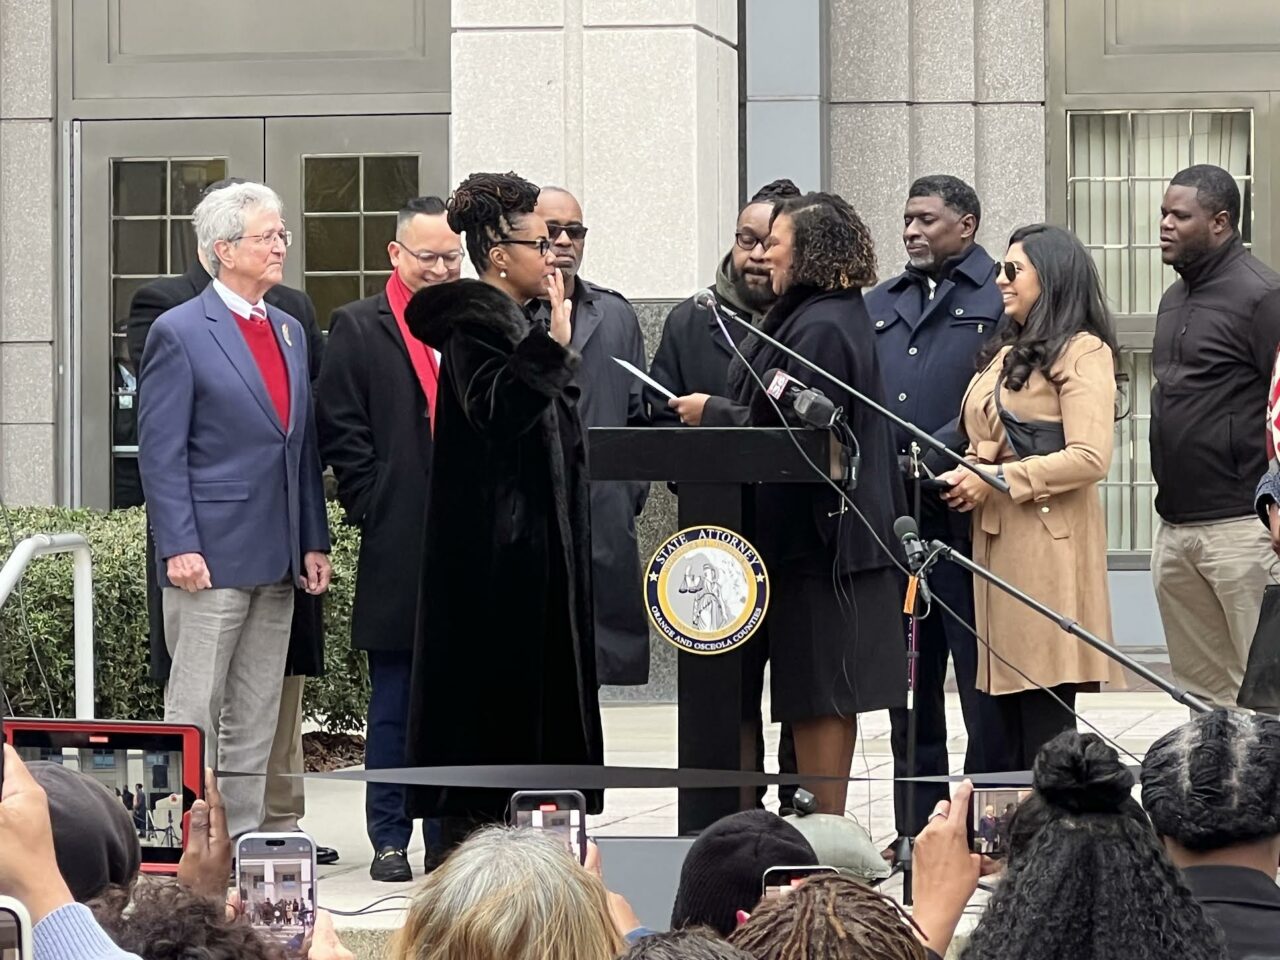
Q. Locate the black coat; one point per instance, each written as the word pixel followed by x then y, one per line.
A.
pixel 795 521
pixel 504 660
pixel 375 433
pixel 605 326
pixel 306 639
pixel 692 356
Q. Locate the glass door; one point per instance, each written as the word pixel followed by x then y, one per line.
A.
pixel 138 183
pixel 342 180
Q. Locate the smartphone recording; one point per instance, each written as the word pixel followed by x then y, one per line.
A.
pixel 155 770
pixel 562 813
pixel 992 811
pixel 276 880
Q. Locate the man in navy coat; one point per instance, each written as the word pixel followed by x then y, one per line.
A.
pixel 230 467
pixel 931 321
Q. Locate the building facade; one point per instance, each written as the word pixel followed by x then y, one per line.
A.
pixel 660 115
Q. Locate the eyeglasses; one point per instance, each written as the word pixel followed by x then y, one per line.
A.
pixel 429 258
pixel 1010 269
pixel 749 241
pixel 286 236
pixel 576 231
pixel 543 246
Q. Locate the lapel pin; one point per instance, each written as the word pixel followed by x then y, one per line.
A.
pixel 284 329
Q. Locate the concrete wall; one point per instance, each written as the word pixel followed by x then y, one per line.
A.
pixel 28 459
pixel 937 86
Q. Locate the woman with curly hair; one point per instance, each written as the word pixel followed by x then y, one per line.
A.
pixel 834 633
pixel 1087 878
pixel 504 659
pixel 1040 415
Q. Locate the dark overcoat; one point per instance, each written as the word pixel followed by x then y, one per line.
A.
pixel 376 435
pixel 306 636
pixel 504 659
pixel 605 326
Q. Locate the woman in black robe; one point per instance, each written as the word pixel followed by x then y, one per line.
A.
pixel 504 663
pixel 834 627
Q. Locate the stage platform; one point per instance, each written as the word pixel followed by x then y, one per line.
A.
pixel 638 828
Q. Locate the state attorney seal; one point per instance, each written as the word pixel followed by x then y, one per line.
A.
pixel 706 590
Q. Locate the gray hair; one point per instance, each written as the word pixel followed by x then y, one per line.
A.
pixel 509 895
pixel 221 215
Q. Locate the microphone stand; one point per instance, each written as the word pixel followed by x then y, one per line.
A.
pixel 708 301
pixel 1184 697
pixel 903 849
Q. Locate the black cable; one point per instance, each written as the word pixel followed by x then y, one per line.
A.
pixel 22 618
pixel 369 908
pixel 848 502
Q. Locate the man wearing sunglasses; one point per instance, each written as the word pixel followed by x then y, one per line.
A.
pixel 374 407
pixel 930 322
pixel 605 326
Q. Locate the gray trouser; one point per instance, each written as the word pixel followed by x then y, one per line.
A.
pixel 1209 581
pixel 229 647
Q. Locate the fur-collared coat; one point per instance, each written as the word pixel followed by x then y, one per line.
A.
pixel 504 658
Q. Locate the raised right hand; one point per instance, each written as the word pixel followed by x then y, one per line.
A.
pixel 187 571
pixel 561 310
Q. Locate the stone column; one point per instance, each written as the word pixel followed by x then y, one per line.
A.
pixel 28 460
pixel 633 107
pixel 938 86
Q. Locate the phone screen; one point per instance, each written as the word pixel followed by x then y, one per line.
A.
pixel 276 879
pixel 779 881
pixel 10 936
pixel 558 813
pixel 992 811
pixel 143 770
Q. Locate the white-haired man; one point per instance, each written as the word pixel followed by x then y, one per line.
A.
pixel 231 471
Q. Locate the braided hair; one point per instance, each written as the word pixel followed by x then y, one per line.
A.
pixel 1215 782
pixel 1087 878
pixel 829 918
pixel 775 190
pixel 833 247
pixel 486 207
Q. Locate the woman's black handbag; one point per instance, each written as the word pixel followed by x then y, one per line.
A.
pixel 1030 438
pixel 1261 687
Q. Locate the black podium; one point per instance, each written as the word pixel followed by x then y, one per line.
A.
pixel 714 466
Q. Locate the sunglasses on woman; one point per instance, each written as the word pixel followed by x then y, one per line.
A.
pixel 1010 269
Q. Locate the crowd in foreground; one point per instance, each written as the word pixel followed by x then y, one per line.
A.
pixel 1091 874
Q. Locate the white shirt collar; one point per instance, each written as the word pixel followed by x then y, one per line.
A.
pixel 237 304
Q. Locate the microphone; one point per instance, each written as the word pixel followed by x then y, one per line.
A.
pixel 811 405
pixel 706 300
pixel 905 529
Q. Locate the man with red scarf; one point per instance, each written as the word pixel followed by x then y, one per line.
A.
pixel 374 405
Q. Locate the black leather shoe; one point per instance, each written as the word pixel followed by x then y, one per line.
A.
pixel 391 866
pixel 326 855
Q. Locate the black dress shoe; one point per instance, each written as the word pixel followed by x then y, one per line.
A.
pixel 391 866
pixel 326 855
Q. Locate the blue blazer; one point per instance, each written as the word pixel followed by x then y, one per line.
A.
pixel 222 476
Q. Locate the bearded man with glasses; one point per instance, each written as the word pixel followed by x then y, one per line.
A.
pixel 376 402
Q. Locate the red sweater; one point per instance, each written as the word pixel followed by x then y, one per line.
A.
pixel 266 353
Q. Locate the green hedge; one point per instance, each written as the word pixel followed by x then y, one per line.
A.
pixel 122 684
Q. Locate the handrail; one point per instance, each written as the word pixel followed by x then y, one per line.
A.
pixel 43 544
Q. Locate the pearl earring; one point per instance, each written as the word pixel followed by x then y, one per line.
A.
pixel 502 274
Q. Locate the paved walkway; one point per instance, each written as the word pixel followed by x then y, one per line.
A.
pixel 645 735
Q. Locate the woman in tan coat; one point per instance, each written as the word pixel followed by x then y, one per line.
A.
pixel 1040 414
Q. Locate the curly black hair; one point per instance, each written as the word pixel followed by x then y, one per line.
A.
pixel 833 247
pixel 831 917
pixel 1087 878
pixel 1215 782
pixel 166 921
pixel 486 207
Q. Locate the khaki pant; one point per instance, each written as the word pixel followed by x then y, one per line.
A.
pixel 286 801
pixel 1209 581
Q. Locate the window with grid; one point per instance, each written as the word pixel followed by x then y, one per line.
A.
pixel 349 206
pixel 1118 166
pixel 151 236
